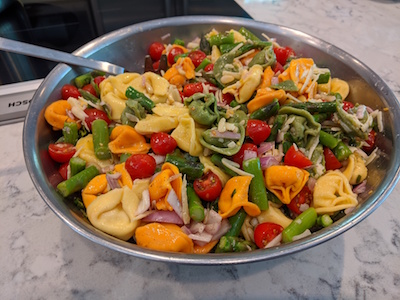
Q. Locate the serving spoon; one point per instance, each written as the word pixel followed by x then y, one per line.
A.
pixel 58 56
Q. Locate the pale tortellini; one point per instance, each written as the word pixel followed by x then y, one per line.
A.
pixel 170 110
pixel 112 92
pixel 356 170
pixel 85 151
pixel 153 86
pixel 274 215
pixel 248 84
pixel 333 192
pixel 340 86
pixel 154 123
pixel 114 212
pixel 187 135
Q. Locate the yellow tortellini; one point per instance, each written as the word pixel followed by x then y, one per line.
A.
pixel 209 166
pixel 112 92
pixel 340 86
pixel 85 150
pixel 333 192
pixel 274 215
pixel 153 86
pixel 154 123
pixel 168 110
pixel 187 135
pixel 114 212
pixel 249 82
pixel 356 171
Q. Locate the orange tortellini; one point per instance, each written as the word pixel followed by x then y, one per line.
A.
pixel 285 181
pixel 234 196
pixel 125 139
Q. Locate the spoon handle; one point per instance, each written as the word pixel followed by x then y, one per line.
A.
pixel 58 56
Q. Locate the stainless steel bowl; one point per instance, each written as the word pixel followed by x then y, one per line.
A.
pixel 127 47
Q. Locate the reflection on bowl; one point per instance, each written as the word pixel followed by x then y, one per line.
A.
pixel 128 46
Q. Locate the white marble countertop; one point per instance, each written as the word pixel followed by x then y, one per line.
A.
pixel 42 258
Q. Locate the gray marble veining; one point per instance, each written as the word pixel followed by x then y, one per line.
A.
pixel 42 258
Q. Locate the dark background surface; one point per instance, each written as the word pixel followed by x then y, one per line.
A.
pixel 68 24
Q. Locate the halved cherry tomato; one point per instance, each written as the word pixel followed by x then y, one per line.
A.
pixel 140 166
pixel 192 88
pixel 258 131
pixel 162 143
pixel 61 152
pixel 98 79
pixel 238 157
pixel 347 105
pixel 209 68
pixel 94 114
pixel 283 53
pixel 208 187
pixel 155 51
pixel 265 233
pixel 172 53
pixel 89 88
pixel 69 90
pixel 370 141
pixel 331 162
pixel 304 197
pixel 197 56
pixel 296 158
pixel 227 98
pixel 63 170
pixel 278 68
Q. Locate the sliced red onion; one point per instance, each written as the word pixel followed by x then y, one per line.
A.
pixel 274 80
pixel 112 180
pixel 361 188
pixel 307 232
pixel 197 227
pixel 276 241
pixel 164 216
pixel 249 154
pixel 201 237
pixel 212 217
pixel 349 210
pixel 224 228
pixel 265 147
pixel 226 135
pixel 311 183
pixel 144 204
pixel 185 203
pixel 369 109
pixel 158 158
pixel 360 112
pixel 212 228
pixel 304 207
pixel 173 200
pixel 267 161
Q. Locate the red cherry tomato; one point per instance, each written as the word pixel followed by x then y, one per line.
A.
pixel 156 65
pixel 209 68
pixel 155 51
pixel 331 162
pixel 370 141
pixel 227 98
pixel 238 157
pixel 303 197
pixel 258 131
pixel 98 79
pixel 265 233
pixel 61 152
pixel 278 68
pixel 162 143
pixel 69 90
pixel 296 158
pixel 347 105
pixel 197 56
pixel 89 88
pixel 192 88
pixel 94 114
pixel 208 187
pixel 140 166
pixel 283 53
pixel 174 52
pixel 63 170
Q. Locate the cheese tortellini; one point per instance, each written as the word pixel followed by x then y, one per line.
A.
pixel 333 192
pixel 356 171
pixel 114 212
pixel 85 151
pixel 187 135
